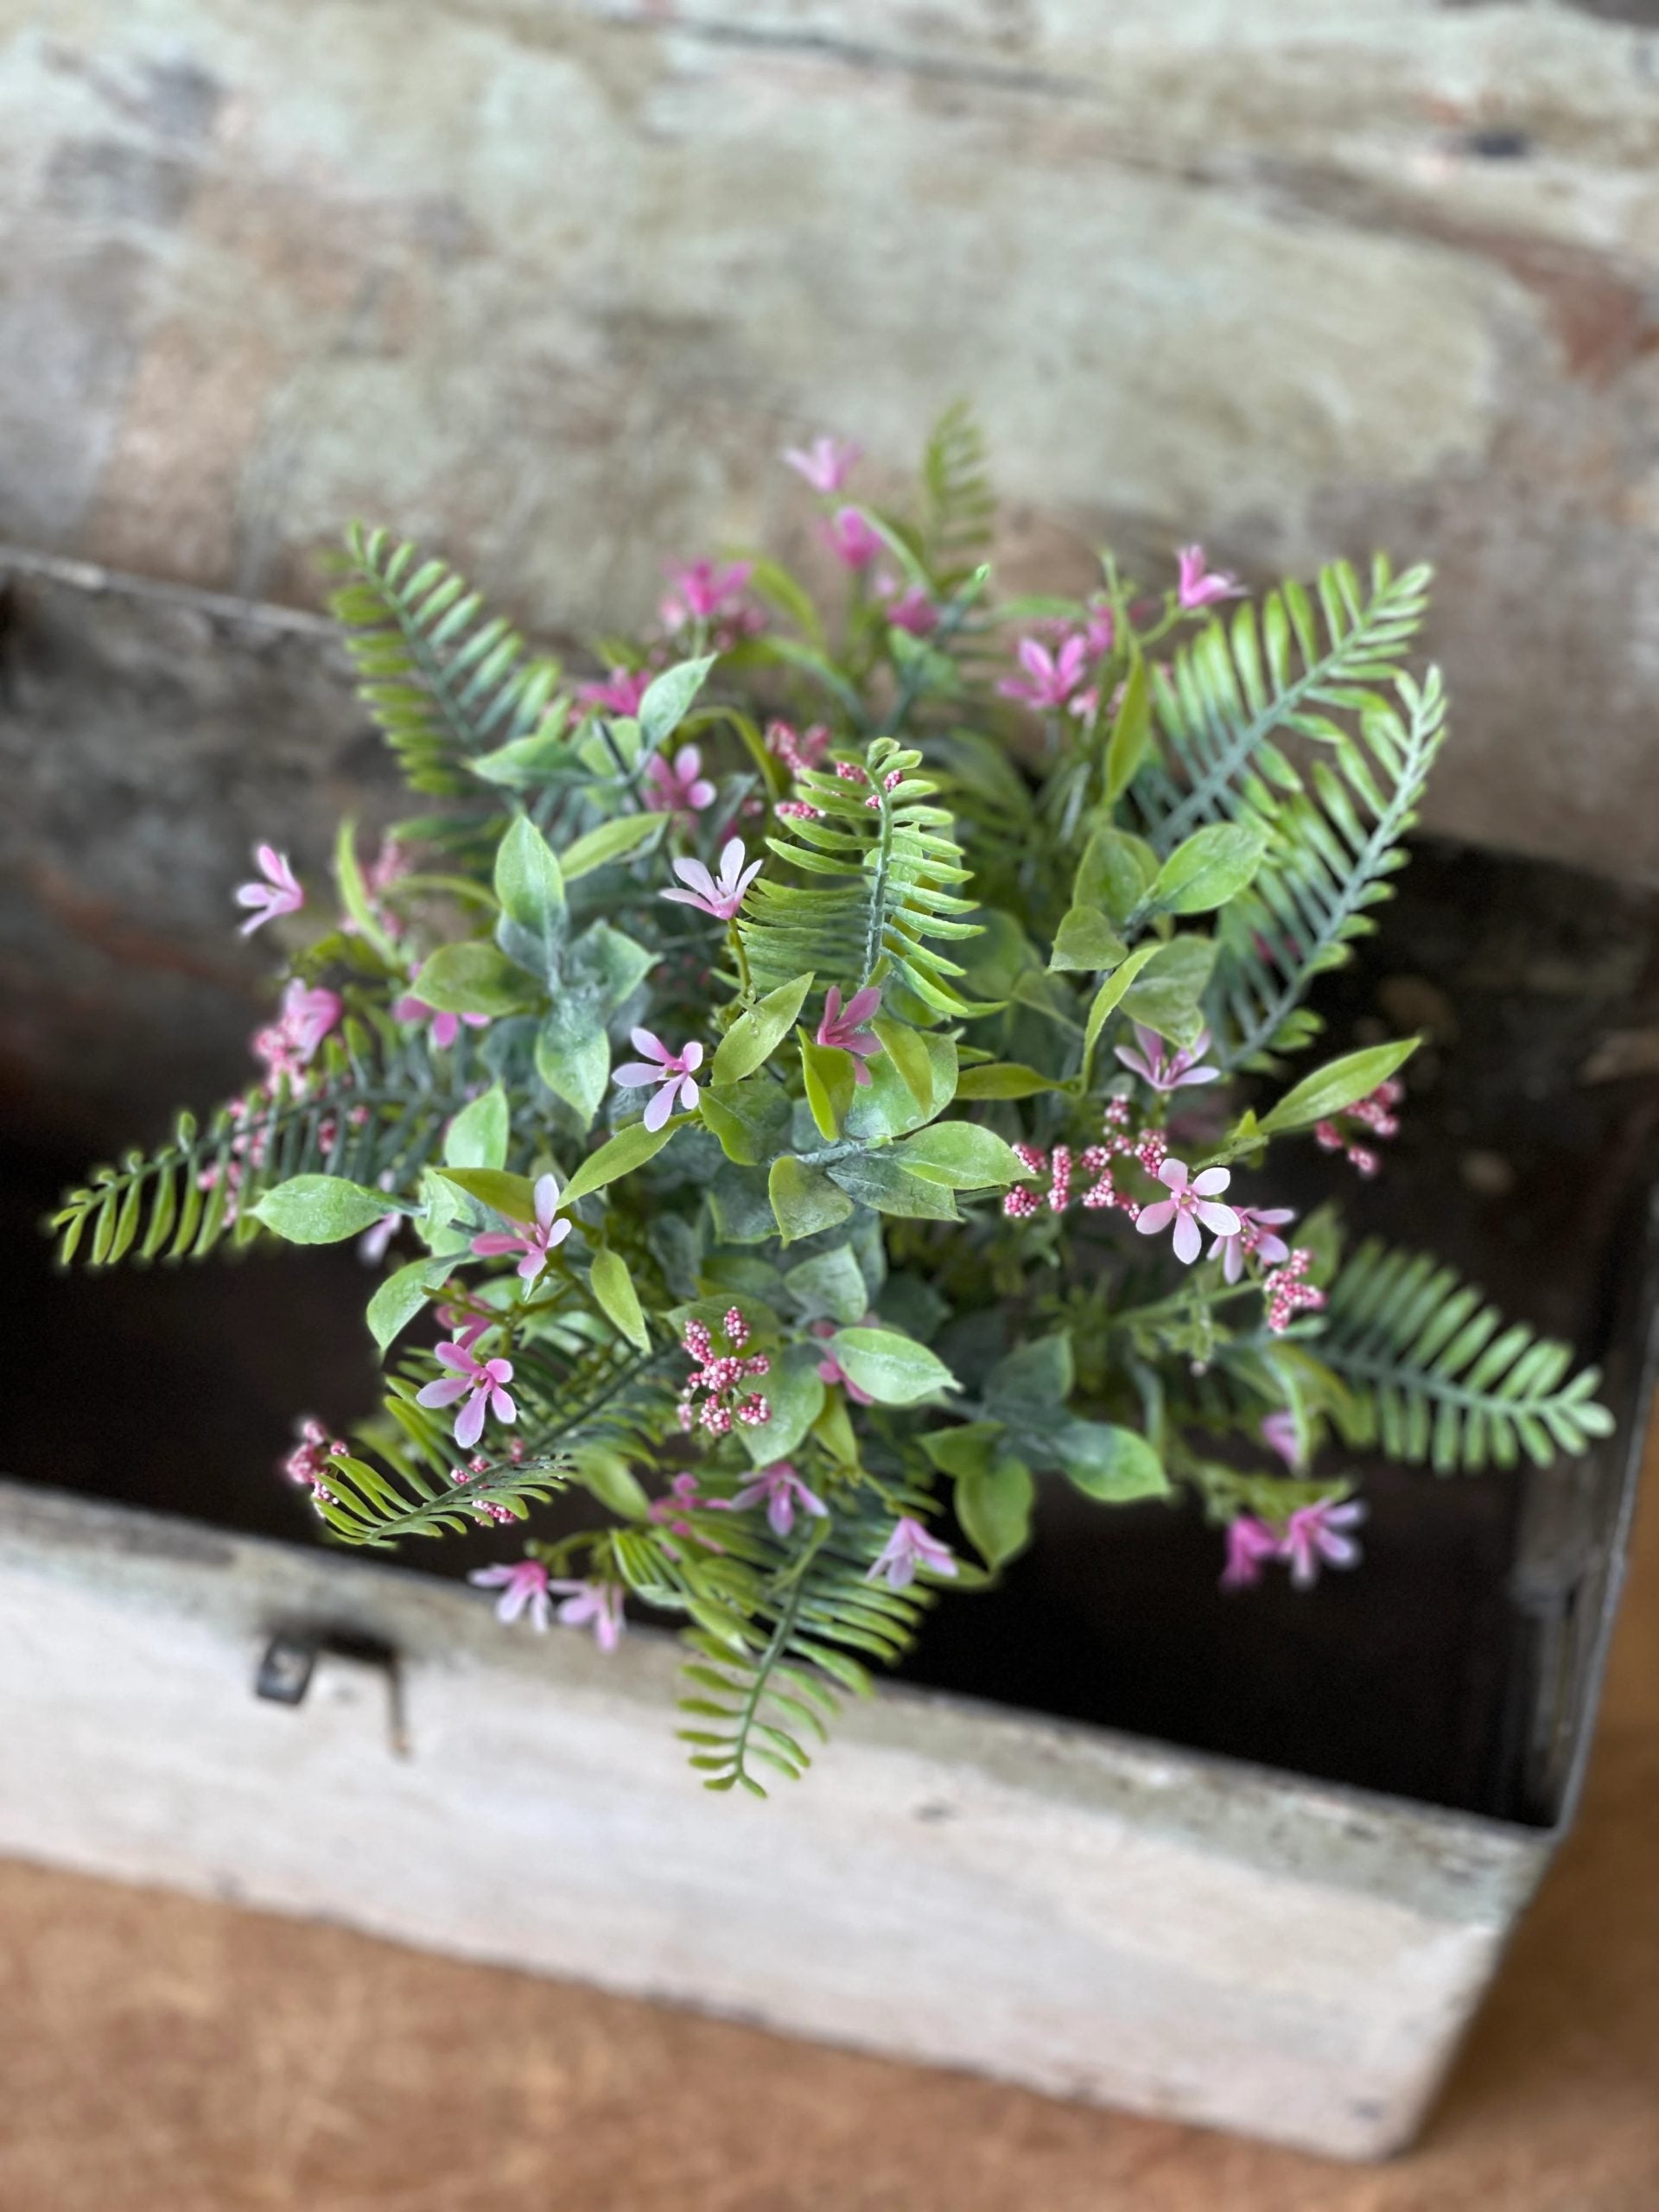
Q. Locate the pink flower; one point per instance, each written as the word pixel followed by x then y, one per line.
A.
pixel 1256 1237
pixel 1050 678
pixel 799 750
pixel 280 892
pixel 1164 1069
pixel 480 1382
pixel 842 1028
pixel 524 1587
pixel 702 591
pixel 830 1369
pixel 1199 586
pixel 1191 1205
pixel 674 1073
pixel 851 538
pixel 826 463
pixel 536 1240
pixel 1279 1432
pixel 1312 1534
pixel 621 691
pixel 596 1604
pixel 679 786
pixel 307 1016
pixel 782 1490
pixel 445 1027
pixel 909 609
pixel 1100 631
pixel 720 895
pixel 1249 1541
pixel 908 1548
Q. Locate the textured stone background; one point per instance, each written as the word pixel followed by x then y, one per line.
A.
pixel 548 284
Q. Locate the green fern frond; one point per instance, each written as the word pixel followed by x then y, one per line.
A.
pixel 1238 684
pixel 1435 1376
pixel 376 1106
pixel 958 505
pixel 445 681
pixel 881 886
pixel 1332 850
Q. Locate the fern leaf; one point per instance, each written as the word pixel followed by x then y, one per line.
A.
pixel 1331 849
pixel 445 681
pixel 1235 689
pixel 880 889
pixel 958 505
pixel 1435 1376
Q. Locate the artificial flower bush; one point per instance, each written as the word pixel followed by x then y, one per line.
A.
pixel 820 1080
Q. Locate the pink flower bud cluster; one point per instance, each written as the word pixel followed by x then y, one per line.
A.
pixel 890 782
pixel 485 1511
pixel 1287 1294
pixel 718 1379
pixel 1061 1166
pixel 797 750
pixel 1375 1113
pixel 308 1462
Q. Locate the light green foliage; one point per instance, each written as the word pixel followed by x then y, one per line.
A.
pixel 861 1291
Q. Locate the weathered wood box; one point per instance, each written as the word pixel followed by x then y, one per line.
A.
pixel 1247 1861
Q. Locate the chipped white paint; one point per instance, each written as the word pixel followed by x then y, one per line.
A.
pixel 1081 1912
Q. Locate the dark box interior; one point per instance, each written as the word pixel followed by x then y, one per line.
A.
pixel 1455 1667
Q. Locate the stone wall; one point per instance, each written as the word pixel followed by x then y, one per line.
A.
pixel 550 284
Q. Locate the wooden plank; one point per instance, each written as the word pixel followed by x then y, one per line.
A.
pixel 1089 1914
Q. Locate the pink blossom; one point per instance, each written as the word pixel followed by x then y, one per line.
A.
pixel 1280 1432
pixel 1164 1068
pixel 1249 1541
pixel 908 1548
pixel 1050 678
pixel 1189 1204
pixel 826 463
pixel 1288 1293
pixel 523 1587
pixel 309 1461
pixel 479 1383
pixel 596 1604
pixel 280 892
pixel 782 1490
pixel 621 691
pixel 719 895
pixel 1199 586
pixel 1312 1534
pixel 843 1027
pixel 911 609
pixel 674 1072
pixel 832 1371
pixel 308 1015
pixel 677 786
pixel 1257 1239
pixel 537 1240
pixel 702 591
pixel 1100 630
pixel 851 538
pixel 445 1027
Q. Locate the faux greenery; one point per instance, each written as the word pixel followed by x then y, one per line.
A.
pixel 964 949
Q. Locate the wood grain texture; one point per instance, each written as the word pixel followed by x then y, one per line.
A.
pixel 163 2054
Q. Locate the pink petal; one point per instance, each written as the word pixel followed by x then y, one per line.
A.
pixel 1211 1180
pixel 547 1197
pixel 444 1392
pixel 633 1075
pixel 469 1421
pixel 1188 1242
pixel 862 1005
pixel 831 1008
pixel 494 1243
pixel 660 1106
pixel 1222 1219
pixel 695 874
pixel 492 1578
pixel 645 1041
pixel 1153 1218
pixel 1172 1174
pixel 688 1095
pixel 501 1406
pixel 459 1357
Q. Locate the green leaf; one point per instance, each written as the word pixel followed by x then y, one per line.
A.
pixel 607 964
pixel 1116 872
pixel 605 1475
pixel 962 1156
pixel 477 1135
pixel 523 762
pixel 1339 1084
pixel 573 1056
pixel 1086 940
pixel 894 1369
pixel 995 1510
pixel 397 1300
pixel 1029 1388
pixel 795 1391
pixel 972 1447
pixel 750 1119
pixel 1131 733
pixel 1003 1080
pixel 831 1287
pixel 1113 1465
pixel 1165 996
pixel 827 1073
pixel 669 697
pixel 353 894
pixel 628 1149
pixel 878 1180
pixel 612 840
pixel 530 887
pixel 513 1197
pixel 755 1036
pixel 804 1199
pixel 907 1049
pixel 472 978
pixel 1109 996
pixel 319 1209
pixel 1207 869
pixel 886 1106
pixel 618 1298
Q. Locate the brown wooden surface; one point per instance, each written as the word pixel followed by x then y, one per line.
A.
pixel 159 2054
